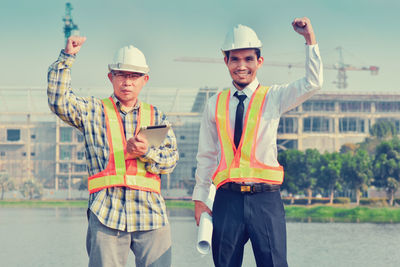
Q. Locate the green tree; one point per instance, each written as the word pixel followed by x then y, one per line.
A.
pixel 380 131
pixel 308 173
pixel 383 130
pixel 357 171
pixel 349 148
pixel 6 183
pixel 329 173
pixel 31 189
pixel 292 161
pixel 301 170
pixel 386 167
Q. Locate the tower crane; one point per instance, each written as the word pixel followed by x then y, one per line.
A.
pixel 69 27
pixel 341 67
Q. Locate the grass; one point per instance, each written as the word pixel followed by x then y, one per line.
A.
pixel 343 214
pixel 314 213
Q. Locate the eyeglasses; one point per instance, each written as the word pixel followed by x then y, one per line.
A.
pixel 127 75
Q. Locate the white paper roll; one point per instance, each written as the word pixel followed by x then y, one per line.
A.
pixel 204 234
pixel 205 226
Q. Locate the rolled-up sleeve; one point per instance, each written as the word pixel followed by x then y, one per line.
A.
pixel 293 94
pixel 208 154
pixel 61 99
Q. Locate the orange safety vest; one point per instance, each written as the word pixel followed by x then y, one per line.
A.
pixel 130 173
pixel 241 165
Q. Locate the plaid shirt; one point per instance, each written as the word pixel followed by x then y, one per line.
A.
pixel 117 207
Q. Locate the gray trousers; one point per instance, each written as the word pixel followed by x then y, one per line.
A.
pixel 108 247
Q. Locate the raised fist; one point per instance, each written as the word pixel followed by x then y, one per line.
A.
pixel 303 26
pixel 74 44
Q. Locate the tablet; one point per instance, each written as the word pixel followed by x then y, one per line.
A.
pixel 155 135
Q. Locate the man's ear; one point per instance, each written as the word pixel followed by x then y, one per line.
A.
pixel 146 77
pixel 110 76
pixel 226 60
pixel 260 61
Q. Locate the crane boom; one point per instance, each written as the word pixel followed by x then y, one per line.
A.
pixel 341 68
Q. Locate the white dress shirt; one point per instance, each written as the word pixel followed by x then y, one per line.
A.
pixel 279 99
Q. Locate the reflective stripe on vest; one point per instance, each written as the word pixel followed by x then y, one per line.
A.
pixel 120 172
pixel 241 165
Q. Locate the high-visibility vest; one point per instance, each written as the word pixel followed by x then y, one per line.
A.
pixel 130 173
pixel 240 164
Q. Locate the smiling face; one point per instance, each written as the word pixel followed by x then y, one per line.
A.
pixel 243 65
pixel 127 86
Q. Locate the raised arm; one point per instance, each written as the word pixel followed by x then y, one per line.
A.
pixel 61 99
pixel 293 94
pixel 303 27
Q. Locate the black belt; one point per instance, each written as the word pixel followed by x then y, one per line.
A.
pixel 251 188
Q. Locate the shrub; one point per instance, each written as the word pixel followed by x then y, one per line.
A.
pixel 341 200
pixel 287 200
pixel 301 201
pixel 304 200
pixel 324 200
pixel 376 202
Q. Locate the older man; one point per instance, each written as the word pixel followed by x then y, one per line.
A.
pixel 126 211
pixel 238 153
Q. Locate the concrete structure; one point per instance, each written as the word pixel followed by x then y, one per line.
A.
pixel 36 144
pixel 330 119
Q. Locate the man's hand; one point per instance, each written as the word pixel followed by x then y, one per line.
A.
pixel 303 27
pixel 136 146
pixel 199 208
pixel 74 44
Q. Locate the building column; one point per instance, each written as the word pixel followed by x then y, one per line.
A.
pixel 300 132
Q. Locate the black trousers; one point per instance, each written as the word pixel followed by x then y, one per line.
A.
pixel 239 217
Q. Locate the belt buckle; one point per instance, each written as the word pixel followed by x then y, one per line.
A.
pixel 245 188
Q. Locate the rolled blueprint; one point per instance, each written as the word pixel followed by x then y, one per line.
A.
pixel 205 226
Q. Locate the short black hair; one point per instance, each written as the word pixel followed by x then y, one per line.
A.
pixel 257 50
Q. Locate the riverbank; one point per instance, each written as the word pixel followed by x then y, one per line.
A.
pixel 313 213
pixel 342 213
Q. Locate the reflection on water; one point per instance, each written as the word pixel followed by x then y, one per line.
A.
pixel 56 237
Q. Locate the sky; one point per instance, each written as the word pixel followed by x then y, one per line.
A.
pixel 32 37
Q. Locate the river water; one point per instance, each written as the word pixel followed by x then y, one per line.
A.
pixel 44 237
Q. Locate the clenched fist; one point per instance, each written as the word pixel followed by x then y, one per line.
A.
pixel 303 26
pixel 74 44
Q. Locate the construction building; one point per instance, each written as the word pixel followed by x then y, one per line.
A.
pixel 35 144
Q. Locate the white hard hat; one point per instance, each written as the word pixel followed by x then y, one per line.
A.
pixel 241 37
pixel 129 58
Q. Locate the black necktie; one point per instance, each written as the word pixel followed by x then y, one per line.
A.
pixel 239 118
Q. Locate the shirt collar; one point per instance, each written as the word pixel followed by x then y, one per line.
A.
pixel 248 90
pixel 122 108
